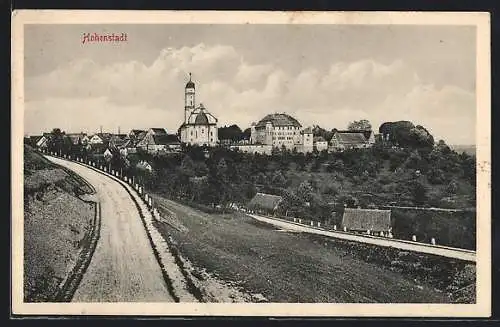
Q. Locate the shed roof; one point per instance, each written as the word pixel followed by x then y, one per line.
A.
pixel 264 201
pixel 367 219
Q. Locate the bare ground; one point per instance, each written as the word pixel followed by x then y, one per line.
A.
pixel 280 266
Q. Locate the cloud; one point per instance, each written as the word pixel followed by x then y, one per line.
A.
pixel 85 95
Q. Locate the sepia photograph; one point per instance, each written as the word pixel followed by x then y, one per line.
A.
pixel 259 163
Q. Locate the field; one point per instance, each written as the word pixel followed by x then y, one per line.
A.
pixel 56 224
pixel 295 267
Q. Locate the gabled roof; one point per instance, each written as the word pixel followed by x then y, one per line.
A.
pixel 158 131
pixel 104 136
pixel 350 137
pixel 168 139
pixel 264 201
pixel 367 219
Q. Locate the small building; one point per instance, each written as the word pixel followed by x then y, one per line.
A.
pixel 157 141
pixel 320 143
pixel 43 142
pixel 343 140
pixel 266 203
pixel 100 138
pixel 363 220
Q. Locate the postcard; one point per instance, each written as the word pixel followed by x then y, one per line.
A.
pixel 284 164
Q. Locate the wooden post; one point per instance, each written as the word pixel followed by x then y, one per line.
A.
pixel 334 227
pixel 319 224
pixel 345 229
pixel 414 238
pixel 368 232
pixel 150 202
pixel 433 241
pixel 312 223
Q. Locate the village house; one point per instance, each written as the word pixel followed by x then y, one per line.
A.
pixel 158 141
pixel 264 203
pixel 343 140
pixel 320 144
pixel 370 221
pixel 43 142
pixel 100 138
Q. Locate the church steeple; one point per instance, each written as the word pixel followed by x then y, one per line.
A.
pixel 189 99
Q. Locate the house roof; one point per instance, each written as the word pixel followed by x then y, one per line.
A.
pixel 104 136
pixel 278 120
pixel 166 139
pixel 350 137
pixel 264 201
pixel 158 130
pixel 367 219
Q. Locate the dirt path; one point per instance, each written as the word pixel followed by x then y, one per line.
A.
pixel 443 251
pixel 123 267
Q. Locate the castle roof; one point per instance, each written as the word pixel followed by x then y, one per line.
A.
pixel 278 120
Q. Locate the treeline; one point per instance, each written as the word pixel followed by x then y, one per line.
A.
pixel 314 183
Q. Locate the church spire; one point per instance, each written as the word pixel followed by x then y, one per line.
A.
pixel 190 84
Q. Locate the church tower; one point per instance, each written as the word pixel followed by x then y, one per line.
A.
pixel 189 99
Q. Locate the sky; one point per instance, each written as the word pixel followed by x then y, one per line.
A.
pixel 326 75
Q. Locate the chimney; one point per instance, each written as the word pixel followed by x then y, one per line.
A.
pixel 100 129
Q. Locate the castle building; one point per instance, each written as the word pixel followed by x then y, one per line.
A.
pixel 281 130
pixel 199 126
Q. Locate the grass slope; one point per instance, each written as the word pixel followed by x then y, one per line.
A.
pixel 56 223
pixel 287 267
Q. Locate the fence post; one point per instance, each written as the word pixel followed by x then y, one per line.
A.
pixel 300 221
pixel 368 232
pixel 433 241
pixel 345 229
pixel 334 227
pixel 414 238
pixel 312 223
pixel 319 224
pixel 150 202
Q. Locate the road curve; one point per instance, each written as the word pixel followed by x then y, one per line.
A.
pixel 460 254
pixel 123 267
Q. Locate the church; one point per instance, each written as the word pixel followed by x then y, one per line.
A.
pixel 199 126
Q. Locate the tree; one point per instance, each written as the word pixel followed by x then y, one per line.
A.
pixel 359 125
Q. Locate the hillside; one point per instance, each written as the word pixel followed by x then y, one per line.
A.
pixel 56 223
pixel 318 185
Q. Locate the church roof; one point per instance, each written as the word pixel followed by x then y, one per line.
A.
pixel 200 116
pixel 278 120
pixel 201 119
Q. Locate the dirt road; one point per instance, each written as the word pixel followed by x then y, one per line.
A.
pixel 448 252
pixel 123 267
